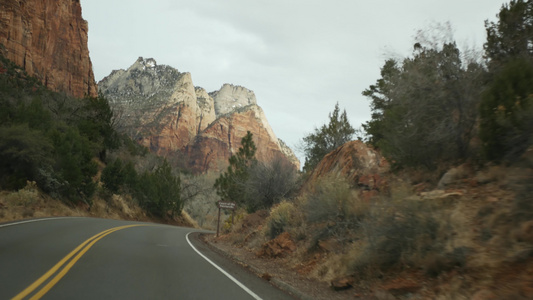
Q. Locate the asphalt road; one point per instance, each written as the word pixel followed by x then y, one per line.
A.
pixel 86 258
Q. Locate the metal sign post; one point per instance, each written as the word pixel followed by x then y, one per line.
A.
pixel 225 205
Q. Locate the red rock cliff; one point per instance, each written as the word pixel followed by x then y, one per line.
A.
pixel 212 148
pixel 48 38
pixel 161 109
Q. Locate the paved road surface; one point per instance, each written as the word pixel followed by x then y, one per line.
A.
pixel 86 258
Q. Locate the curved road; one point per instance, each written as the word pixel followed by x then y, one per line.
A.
pixel 86 258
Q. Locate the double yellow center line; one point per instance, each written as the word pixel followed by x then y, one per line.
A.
pixel 76 253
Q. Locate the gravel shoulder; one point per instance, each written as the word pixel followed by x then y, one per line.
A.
pixel 275 271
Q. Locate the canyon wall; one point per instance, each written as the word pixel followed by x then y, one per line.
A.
pixel 48 39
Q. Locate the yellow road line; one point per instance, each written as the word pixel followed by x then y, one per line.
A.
pixel 84 247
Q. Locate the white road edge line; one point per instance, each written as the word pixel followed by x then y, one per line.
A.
pixel 34 220
pixel 242 286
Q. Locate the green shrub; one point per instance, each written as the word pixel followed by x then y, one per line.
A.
pixel 112 176
pixel 74 164
pixel 506 112
pixel 160 192
pixel 424 107
pixel 397 234
pixel 22 152
pixel 50 137
pixel 269 182
pixel 279 219
pixel 119 176
pixel 335 208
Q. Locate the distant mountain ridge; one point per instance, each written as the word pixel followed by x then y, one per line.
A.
pixel 162 109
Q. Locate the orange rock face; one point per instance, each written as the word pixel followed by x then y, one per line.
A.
pixel 162 109
pixel 213 147
pixel 48 38
pixel 173 131
pixel 278 247
pixel 361 165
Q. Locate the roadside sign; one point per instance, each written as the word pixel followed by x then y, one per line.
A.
pixel 226 205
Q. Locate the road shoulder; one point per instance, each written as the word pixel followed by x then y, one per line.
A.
pixel 270 270
pixel 243 273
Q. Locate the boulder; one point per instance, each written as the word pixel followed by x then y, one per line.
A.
pixel 454 174
pixel 278 247
pixel 360 164
pixel 342 283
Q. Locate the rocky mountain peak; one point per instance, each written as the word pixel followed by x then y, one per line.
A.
pixel 143 64
pixel 163 110
pixel 145 79
pixel 231 97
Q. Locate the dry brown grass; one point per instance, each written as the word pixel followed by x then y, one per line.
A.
pixel 190 220
pixel 29 202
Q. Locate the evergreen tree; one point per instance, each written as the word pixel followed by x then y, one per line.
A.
pixel 96 124
pixel 512 35
pixel 506 109
pixel 230 186
pixel 327 138
pixel 113 176
pixel 424 108
pixel 23 152
pixel 74 164
pixel 507 112
pixel 159 192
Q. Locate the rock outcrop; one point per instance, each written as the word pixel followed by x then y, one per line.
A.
pixel 231 97
pixel 48 39
pixel 160 108
pixel 358 163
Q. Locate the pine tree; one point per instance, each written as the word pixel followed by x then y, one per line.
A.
pixel 326 139
pixel 506 112
pixel 512 35
pixel 230 186
pixel 424 108
pixel 506 109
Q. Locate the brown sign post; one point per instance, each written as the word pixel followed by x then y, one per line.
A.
pixel 225 205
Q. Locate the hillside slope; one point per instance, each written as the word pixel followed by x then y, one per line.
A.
pixel 378 235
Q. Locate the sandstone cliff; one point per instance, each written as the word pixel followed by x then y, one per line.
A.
pixel 48 38
pixel 160 108
pixel 157 105
pixel 223 138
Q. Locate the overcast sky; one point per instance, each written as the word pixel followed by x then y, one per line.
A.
pixel 300 57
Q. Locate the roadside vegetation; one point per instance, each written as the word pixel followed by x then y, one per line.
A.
pixel 67 149
pixel 453 217
pixel 326 138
